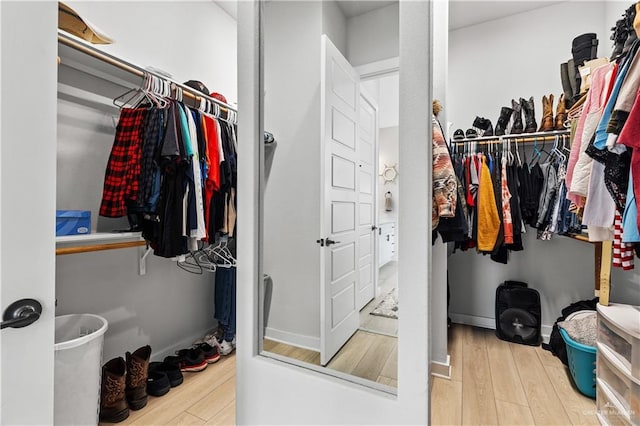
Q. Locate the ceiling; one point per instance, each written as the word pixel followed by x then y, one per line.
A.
pixel 352 8
pixel 462 13
pixel 466 13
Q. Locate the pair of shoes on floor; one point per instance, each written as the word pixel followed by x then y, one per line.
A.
pixel 124 385
pixel 162 377
pixel 194 359
pixel 224 347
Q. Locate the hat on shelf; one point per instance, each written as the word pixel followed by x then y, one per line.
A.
pixel 219 97
pixel 198 85
pixel 72 22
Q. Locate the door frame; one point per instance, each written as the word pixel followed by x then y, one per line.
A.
pixel 264 384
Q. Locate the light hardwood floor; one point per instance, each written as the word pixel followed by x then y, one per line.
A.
pixel 493 383
pixel 499 383
pixel 387 281
pixel 204 398
pixel 367 355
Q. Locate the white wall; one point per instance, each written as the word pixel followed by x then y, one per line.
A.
pixel 373 36
pixel 292 202
pixel 167 308
pixel 532 44
pixel 389 155
pixel 192 40
pixel 561 269
pixel 334 25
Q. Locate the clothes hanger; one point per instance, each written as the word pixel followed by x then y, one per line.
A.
pixel 190 264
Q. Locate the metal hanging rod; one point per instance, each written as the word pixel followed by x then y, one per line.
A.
pixel 134 69
pixel 524 137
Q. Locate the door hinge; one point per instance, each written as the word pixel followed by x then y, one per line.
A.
pixel 321 242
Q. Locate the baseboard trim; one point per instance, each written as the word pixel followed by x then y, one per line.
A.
pixel 441 369
pixel 293 339
pixel 473 320
pixel 490 323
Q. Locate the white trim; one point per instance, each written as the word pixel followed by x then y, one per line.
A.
pixel 490 323
pixel 379 68
pixel 473 320
pixel 441 369
pixel 293 339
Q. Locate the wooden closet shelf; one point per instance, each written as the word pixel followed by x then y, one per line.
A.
pixel 98 242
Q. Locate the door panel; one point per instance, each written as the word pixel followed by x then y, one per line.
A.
pixel 343 129
pixel 342 81
pixel 343 217
pixel 343 173
pixel 340 282
pixel 27 237
pixel 368 129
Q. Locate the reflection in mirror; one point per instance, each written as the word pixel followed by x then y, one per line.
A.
pixel 330 264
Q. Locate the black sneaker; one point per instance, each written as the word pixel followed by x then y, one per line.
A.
pixel 157 383
pixel 211 353
pixel 171 370
pixel 190 360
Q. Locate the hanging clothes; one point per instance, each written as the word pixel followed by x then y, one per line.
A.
pixel 165 167
pixel 488 219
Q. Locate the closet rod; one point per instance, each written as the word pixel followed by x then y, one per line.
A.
pixel 525 137
pixel 134 69
pixel 98 247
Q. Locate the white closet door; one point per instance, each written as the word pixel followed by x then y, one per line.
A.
pixel 27 200
pixel 340 256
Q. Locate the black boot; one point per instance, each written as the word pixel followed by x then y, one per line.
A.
pixel 503 120
pixel 528 107
pixel 517 127
pixel 566 84
pixel 483 124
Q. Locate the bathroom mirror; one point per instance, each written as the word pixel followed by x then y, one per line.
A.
pixel 328 302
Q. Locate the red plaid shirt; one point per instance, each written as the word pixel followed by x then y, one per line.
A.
pixel 122 177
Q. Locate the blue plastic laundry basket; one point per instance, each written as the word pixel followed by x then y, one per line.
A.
pixel 582 364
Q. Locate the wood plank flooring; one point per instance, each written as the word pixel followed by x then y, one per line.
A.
pixel 204 398
pixel 499 383
pixel 367 355
pixel 493 382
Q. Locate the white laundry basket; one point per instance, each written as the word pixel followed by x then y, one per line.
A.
pixel 78 367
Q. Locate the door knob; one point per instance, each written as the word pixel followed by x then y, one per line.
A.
pixel 21 313
pixel 328 242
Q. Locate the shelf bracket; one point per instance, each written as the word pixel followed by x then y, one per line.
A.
pixel 143 252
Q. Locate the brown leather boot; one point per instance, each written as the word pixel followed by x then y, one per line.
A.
pixel 546 123
pixel 113 405
pixel 137 373
pixel 561 114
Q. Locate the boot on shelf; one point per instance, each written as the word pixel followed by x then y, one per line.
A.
pixel 137 373
pixel 483 124
pixel 516 127
pixel 503 120
pixel 546 123
pixel 561 114
pixel 528 107
pixel 566 84
pixel 113 404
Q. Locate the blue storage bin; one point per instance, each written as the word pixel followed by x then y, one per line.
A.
pixel 73 222
pixel 582 364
